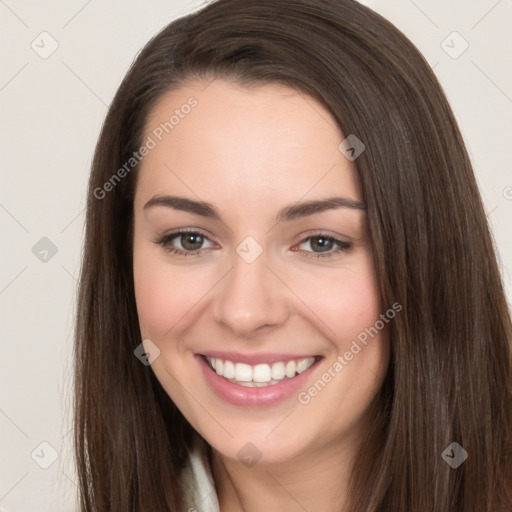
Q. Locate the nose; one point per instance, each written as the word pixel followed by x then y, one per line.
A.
pixel 251 299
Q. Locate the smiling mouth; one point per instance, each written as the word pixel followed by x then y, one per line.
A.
pixel 259 375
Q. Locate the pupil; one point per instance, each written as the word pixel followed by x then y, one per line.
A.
pixel 323 242
pixel 191 239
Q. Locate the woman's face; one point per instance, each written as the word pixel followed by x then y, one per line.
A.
pixel 259 283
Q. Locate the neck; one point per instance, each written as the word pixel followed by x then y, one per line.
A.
pixel 315 480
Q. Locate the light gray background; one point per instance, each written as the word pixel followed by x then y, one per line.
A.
pixel 52 110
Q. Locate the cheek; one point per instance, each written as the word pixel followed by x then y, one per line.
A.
pixel 345 302
pixel 360 307
pixel 159 293
pixel 168 296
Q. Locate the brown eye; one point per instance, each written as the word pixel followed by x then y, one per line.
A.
pixel 322 243
pixel 189 243
pixel 323 246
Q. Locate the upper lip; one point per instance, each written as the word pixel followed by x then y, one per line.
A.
pixel 253 359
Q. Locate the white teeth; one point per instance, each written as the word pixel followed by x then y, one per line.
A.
pixel 302 365
pixel 290 369
pixel 278 371
pixel 243 372
pixel 259 375
pixel 258 384
pixel 229 370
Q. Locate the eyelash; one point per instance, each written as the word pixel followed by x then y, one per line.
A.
pixel 166 240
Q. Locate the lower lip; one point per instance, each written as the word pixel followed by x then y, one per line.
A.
pixel 252 397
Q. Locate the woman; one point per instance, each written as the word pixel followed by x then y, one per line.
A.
pixel 289 297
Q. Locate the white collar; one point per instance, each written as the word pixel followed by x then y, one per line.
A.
pixel 197 481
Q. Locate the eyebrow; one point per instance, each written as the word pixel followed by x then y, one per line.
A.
pixel 288 213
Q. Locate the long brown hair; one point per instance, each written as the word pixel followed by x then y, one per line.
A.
pixel 450 375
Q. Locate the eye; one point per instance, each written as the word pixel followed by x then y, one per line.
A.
pixel 190 241
pixel 191 244
pixel 325 244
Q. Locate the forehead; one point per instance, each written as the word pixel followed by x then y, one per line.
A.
pixel 222 139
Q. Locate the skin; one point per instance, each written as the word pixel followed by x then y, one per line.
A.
pixel 250 153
